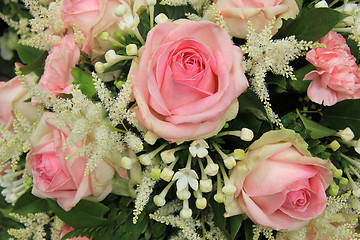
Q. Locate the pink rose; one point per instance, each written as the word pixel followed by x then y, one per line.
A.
pixel 63 179
pixel 337 75
pixel 260 12
pixel 279 184
pixel 61 60
pixel 12 97
pixel 188 79
pixel 66 229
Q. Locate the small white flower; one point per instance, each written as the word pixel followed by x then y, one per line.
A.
pixel 205 185
pixel 211 169
pixel 159 200
pixel 219 197
pixel 186 213
pixel 145 159
pixel 246 134
pixel 201 203
pixel 199 148
pixel 127 162
pixel 131 49
pixel 168 156
pixel 186 177
pixel 120 10
pixel 230 162
pixel 150 138
pixel 346 135
pixel 161 18
pixel 155 173
pixel 167 174
pixel 151 2
pixel 229 189
pixel 322 4
pixel 183 194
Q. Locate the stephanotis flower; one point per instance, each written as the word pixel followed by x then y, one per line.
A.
pixel 186 177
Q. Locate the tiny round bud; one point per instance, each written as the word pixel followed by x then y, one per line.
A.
pixel 155 173
pixel 183 194
pixel 145 159
pixel 131 49
pixel 239 154
pixel 229 189
pixel 229 162
pixel 186 213
pixel 104 36
pixel 120 10
pixel 344 181
pixel 334 145
pixel 159 201
pixel 346 135
pixel 337 173
pixel 161 18
pixel 99 67
pixel 151 2
pixel 205 185
pixel 167 174
pixel 219 197
pixel 201 203
pixel 246 134
pixel 211 169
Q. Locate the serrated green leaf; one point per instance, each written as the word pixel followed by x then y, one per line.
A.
pixel 312 25
pixel 85 82
pixel 84 214
pixel 316 130
pixel 28 203
pixel 344 114
pixel 28 54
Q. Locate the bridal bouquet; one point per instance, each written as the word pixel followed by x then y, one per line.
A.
pixel 180 119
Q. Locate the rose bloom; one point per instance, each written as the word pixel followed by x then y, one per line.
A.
pixel 61 60
pixel 237 13
pixel 188 79
pixel 279 184
pixel 59 178
pixel 12 97
pixel 337 75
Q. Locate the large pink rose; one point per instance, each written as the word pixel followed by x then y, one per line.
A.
pixel 279 184
pixel 260 12
pixel 337 75
pixel 61 60
pixel 12 97
pixel 188 79
pixel 63 179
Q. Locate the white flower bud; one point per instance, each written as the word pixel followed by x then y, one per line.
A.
pixel 346 135
pixel 127 162
pixel 155 173
pixel 229 162
pixel 111 56
pixel 183 194
pixel 201 203
pixel 211 169
pixel 229 189
pixel 219 197
pixel 186 213
pixel 159 201
pixel 239 154
pixel 161 18
pixel 167 174
pixel 246 134
pixel 322 4
pixel 104 36
pixel 168 156
pixel 205 185
pixel 357 146
pixel 131 49
pixel 129 20
pixel 145 159
pixel 150 138
pixel 99 67
pixel 120 10
pixel 151 2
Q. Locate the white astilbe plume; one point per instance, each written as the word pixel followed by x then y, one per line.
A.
pixel 166 216
pixel 20 27
pixel 263 54
pixel 214 232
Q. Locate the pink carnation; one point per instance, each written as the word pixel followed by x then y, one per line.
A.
pixel 337 75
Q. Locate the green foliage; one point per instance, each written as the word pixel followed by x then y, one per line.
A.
pixel 344 114
pixel 28 203
pixel 312 24
pixel 85 82
pixel 173 12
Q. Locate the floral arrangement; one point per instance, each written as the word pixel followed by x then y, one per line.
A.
pixel 180 119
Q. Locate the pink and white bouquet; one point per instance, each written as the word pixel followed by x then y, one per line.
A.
pixel 180 119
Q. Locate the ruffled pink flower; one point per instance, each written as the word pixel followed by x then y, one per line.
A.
pixel 188 80
pixel 61 60
pixel 279 184
pixel 337 75
pixel 59 178
pixel 237 13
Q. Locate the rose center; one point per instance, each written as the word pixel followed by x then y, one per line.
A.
pixel 47 166
pixel 299 199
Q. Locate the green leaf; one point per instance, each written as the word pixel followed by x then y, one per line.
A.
pixel 85 81
pixel 28 54
pixel 250 102
pixel 235 223
pixel 84 214
pixel 219 218
pixel 28 203
pixel 173 12
pixel 300 85
pixel 36 66
pixel 344 114
pixel 311 25
pixel 316 130
pixel 248 225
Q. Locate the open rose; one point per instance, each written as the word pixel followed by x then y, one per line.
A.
pixel 188 80
pixel 279 184
pixel 61 60
pixel 337 75
pixel 260 12
pixel 63 179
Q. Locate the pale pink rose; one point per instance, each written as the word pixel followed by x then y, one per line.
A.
pixel 279 184
pixel 237 13
pixel 188 79
pixel 12 97
pixel 61 60
pixel 66 229
pixel 59 178
pixel 337 75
